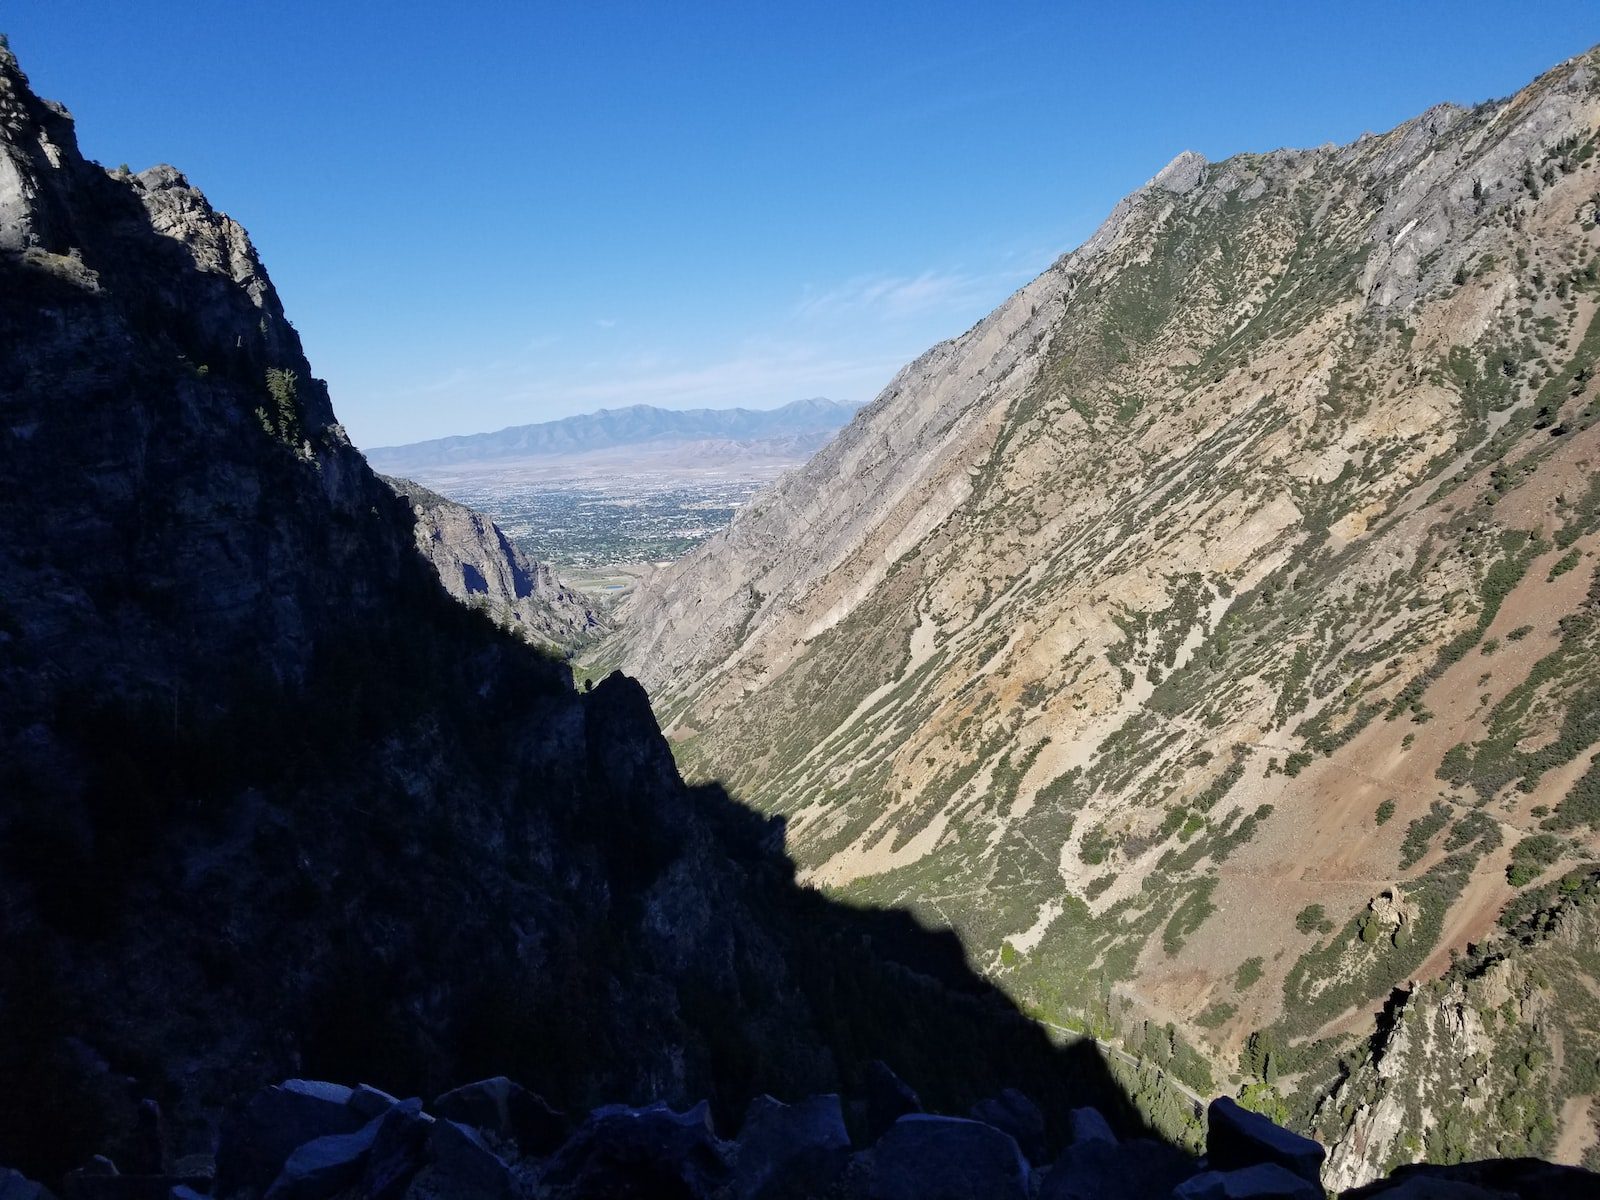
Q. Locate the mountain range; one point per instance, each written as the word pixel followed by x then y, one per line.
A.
pixel 792 430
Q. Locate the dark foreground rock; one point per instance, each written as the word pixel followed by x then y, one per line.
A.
pixel 1019 1116
pixel 885 1099
pixel 495 1140
pixel 1237 1137
pixel 14 1186
pixel 1102 1166
pixel 925 1157
pixel 790 1151
pixel 1263 1181
pixel 1491 1179
pixel 653 1151
pixel 506 1111
pixel 258 1140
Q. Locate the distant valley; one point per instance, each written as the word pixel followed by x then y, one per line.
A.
pixel 620 487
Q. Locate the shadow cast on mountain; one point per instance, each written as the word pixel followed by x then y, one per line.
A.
pixel 272 804
pixel 603 934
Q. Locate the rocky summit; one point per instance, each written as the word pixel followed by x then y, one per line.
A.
pixel 1209 637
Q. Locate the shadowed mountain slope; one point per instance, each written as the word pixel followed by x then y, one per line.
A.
pixel 272 803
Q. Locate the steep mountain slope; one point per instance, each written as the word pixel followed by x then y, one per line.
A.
pixel 1209 634
pixel 272 802
pixel 609 429
pixel 480 566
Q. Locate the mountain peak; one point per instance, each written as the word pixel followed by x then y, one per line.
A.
pixel 1182 174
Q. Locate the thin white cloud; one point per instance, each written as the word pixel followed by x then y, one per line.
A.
pixel 845 341
pixel 900 297
pixel 754 375
pixel 758 374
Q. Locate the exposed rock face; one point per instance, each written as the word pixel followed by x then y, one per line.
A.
pixel 272 803
pixel 1463 1058
pixel 1234 572
pixel 480 566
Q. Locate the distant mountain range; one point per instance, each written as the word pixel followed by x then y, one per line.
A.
pixel 636 425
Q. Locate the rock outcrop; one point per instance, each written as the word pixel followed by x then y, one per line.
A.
pixel 481 567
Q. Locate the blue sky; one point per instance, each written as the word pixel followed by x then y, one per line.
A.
pixel 486 214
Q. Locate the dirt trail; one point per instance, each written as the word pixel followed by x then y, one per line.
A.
pixel 1580 1129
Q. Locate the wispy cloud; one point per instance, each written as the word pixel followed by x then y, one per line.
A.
pixel 759 373
pixel 901 297
pixel 756 374
pixel 844 341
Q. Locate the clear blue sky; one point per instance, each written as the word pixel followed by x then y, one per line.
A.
pixel 486 214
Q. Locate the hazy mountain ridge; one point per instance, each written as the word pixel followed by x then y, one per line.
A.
pixel 1205 634
pixel 608 429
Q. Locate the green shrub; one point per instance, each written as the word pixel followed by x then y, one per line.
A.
pixel 1248 973
pixel 1531 856
pixel 1564 564
pixel 1420 832
pixel 1189 915
pixel 1385 811
pixel 1312 919
pixel 1215 1014
pixel 1581 805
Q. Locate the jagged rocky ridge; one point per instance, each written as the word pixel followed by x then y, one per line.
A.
pixel 481 567
pixel 273 803
pixel 1209 635
pixel 309 1140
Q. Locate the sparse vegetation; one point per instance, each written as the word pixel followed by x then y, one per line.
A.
pixel 1531 857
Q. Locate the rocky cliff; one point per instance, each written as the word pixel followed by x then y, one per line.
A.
pixel 483 568
pixel 273 803
pixel 1208 635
